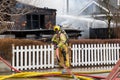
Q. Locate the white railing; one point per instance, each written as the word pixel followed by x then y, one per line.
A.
pixel 33 57
pixel 38 57
pixel 95 54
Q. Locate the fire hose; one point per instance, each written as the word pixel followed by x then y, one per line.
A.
pixel 79 75
pixel 4 61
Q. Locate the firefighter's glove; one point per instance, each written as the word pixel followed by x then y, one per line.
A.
pixel 54 43
pixel 55 47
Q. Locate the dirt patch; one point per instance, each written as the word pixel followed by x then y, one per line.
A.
pixel 4 67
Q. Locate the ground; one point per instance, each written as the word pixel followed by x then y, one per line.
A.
pixel 6 46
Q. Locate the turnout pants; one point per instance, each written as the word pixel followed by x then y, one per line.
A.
pixel 64 56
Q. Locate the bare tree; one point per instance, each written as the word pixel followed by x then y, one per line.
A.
pixel 11 9
pixel 116 19
pixel 108 17
pixel 112 15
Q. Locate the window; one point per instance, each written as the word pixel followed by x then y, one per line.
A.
pixel 33 21
pixel 29 25
pixel 42 21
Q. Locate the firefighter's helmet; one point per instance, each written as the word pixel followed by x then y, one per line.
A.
pixel 56 28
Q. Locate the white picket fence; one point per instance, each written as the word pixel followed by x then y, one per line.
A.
pixel 38 57
pixel 95 54
pixel 33 57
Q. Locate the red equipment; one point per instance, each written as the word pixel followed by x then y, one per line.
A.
pixel 3 60
pixel 115 72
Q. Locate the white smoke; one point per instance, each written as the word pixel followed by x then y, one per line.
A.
pixel 81 23
pixel 60 5
pixel 70 19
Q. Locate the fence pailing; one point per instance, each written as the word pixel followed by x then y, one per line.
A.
pixel 35 57
pixel 95 54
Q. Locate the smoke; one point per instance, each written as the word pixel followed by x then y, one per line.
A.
pixel 60 5
pixel 81 23
pixel 69 16
pixel 75 6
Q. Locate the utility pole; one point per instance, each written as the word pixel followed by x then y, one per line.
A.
pixel 67 6
pixel 118 3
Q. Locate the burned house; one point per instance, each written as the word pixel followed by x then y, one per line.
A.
pixel 37 23
pixel 33 23
pixel 39 18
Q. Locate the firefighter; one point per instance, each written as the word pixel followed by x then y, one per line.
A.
pixel 60 41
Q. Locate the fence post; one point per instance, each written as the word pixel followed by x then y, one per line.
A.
pixel 69 51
